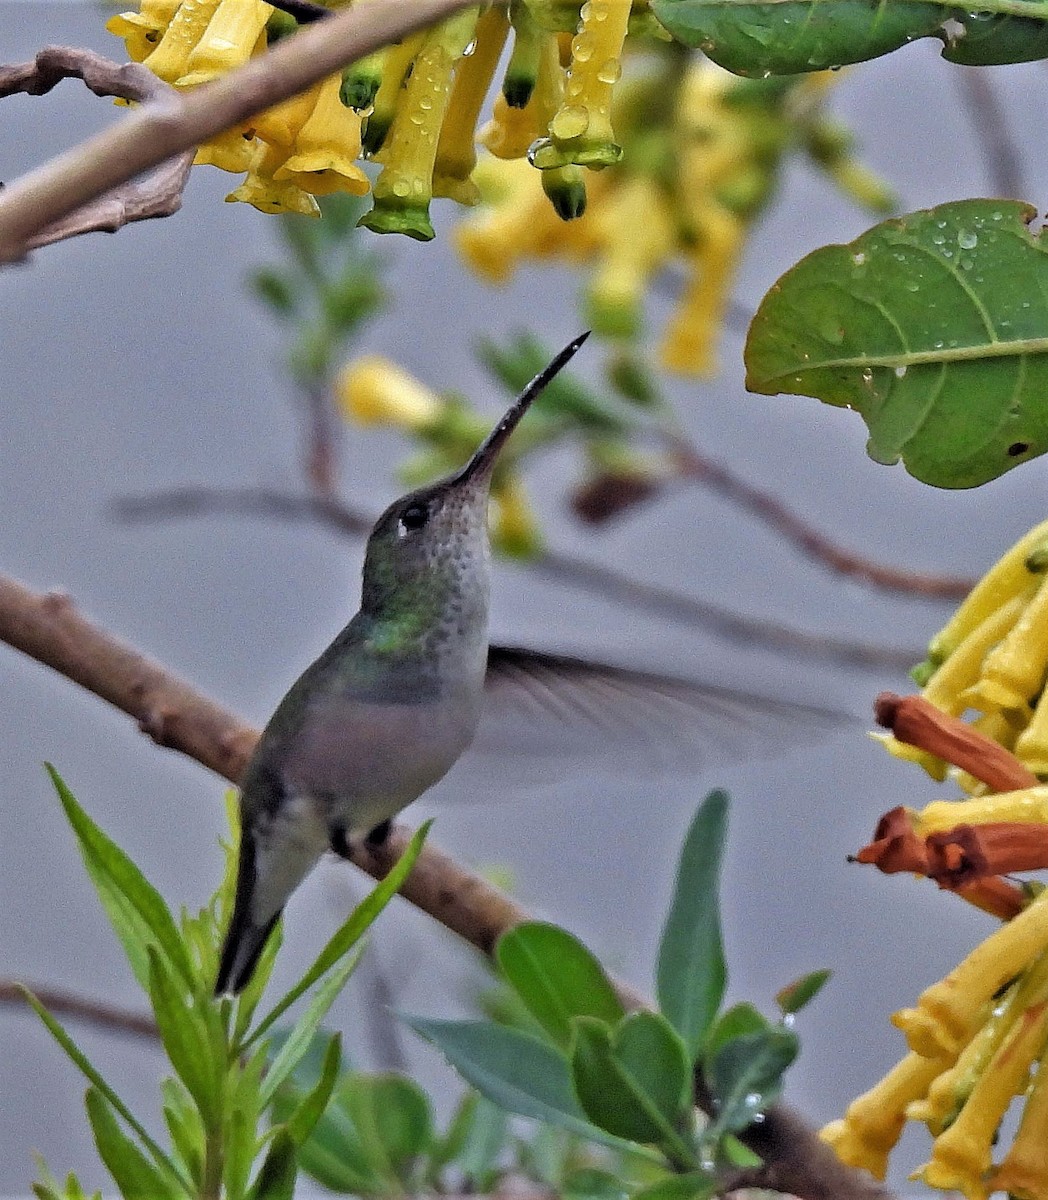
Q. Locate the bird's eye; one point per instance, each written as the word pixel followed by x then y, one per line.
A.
pixel 414 517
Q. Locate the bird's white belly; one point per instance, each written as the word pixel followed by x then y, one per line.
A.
pixel 368 761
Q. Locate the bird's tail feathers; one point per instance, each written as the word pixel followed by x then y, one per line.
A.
pixel 245 938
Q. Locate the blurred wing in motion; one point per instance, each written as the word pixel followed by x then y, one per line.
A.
pixel 546 716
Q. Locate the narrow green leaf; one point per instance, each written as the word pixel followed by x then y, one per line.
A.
pixel 737 1021
pixel 738 1153
pixel 276 1177
pixel 516 1071
pixel 691 975
pixel 303 1120
pixel 93 1076
pixel 184 1126
pixel 694 1185
pixel 934 327
pixel 794 996
pixel 241 1147
pixel 745 1077
pixel 350 932
pixel 613 1089
pixel 588 1183
pixel 184 1034
pixel 135 908
pixel 556 977
pixel 333 1154
pixel 450 1145
pixel 135 1176
pixel 299 1040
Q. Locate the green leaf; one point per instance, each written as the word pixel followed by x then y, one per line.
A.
pixel 989 39
pixel 183 1124
pixel 794 996
pixel 632 1084
pixel 391 1113
pixel 184 1034
pixel 556 977
pixel 135 908
pixel 482 1145
pixel 135 1176
pixel 738 1154
pixel 516 1071
pixel 933 326
pixel 693 1185
pixel 691 975
pixel 276 1177
pixel 745 1076
pixel 588 1183
pixel 764 38
pixel 276 289
pixel 350 932
pixel 303 1120
pixel 91 1073
pixel 301 1036
pixel 737 1021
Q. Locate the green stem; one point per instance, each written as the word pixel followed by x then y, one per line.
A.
pixel 214 1165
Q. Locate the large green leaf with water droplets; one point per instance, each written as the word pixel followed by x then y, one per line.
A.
pixel 785 37
pixel 933 326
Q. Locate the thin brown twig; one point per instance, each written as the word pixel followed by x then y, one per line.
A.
pixel 596 578
pixel 159 194
pixel 155 132
pixel 721 480
pixel 989 124
pixel 49 629
pixel 62 1003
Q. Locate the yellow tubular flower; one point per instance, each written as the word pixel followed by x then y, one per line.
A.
pixel 1025 805
pixel 961 669
pixel 689 342
pixel 270 195
pixel 456 151
pixel 1013 671
pixel 961 1155
pixel 142 30
pixel 947 1012
pixel 581 130
pixel 326 147
pixel 234 150
pixel 1005 579
pixel 514 529
pixel 1031 747
pixel 405 187
pixel 1024 1171
pixel 188 25
pixel 228 41
pixel 874 1121
pixel 280 125
pixel 398 59
pixel 512 131
pixel 375 391
pixel 949 1092
pixel 638 234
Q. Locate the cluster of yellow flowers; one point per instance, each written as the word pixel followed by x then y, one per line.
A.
pixel 702 147
pixel 992 658
pixel 979 1037
pixel 374 391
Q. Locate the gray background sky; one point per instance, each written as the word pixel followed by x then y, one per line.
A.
pixel 135 362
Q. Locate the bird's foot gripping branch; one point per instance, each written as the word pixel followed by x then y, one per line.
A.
pixel 979 1038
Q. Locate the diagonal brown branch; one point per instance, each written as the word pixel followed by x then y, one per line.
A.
pixel 48 628
pixel 177 122
pixel 81 1008
pixel 158 195
pixel 596 578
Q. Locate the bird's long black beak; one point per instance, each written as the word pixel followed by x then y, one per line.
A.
pixel 483 461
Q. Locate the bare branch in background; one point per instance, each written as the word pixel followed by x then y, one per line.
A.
pixel 49 629
pixel 989 122
pixel 722 481
pixel 176 122
pixel 98 1013
pixel 595 578
pixel 157 195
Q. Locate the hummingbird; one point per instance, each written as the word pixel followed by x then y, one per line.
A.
pixel 396 699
